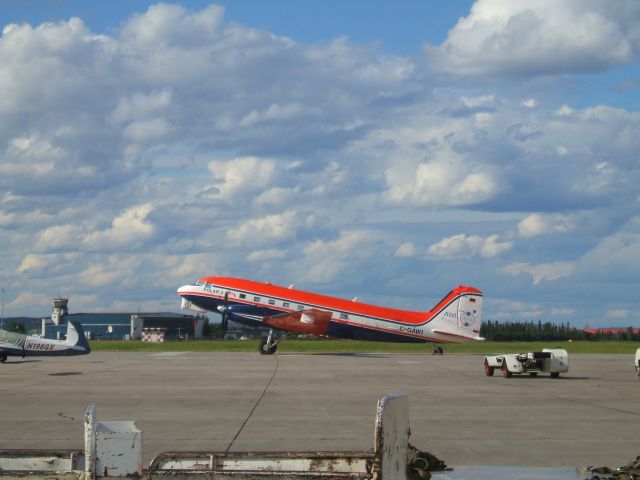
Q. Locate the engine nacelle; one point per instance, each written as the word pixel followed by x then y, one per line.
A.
pixel 309 322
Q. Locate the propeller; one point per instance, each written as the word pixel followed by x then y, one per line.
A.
pixel 224 325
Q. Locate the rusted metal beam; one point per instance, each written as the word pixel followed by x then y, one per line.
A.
pixel 113 450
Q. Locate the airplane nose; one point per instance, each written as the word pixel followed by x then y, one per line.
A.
pixel 184 289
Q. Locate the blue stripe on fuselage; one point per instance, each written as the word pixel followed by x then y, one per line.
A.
pixel 336 329
pixel 354 332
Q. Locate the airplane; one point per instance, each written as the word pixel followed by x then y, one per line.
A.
pixel 455 319
pixel 19 345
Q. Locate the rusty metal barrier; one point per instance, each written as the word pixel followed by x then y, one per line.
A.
pixel 114 450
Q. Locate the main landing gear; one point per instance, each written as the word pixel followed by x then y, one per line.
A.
pixel 269 345
pixel 3 357
pixel 437 350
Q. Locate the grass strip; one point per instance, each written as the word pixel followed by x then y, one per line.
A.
pixel 352 346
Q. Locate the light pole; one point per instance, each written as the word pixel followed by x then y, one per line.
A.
pixel 2 314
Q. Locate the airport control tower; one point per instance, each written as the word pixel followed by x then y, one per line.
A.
pixel 59 310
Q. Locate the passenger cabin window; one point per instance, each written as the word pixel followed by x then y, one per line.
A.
pixel 256 299
pixel 272 301
pixel 344 316
pixel 285 304
pixel 242 295
pixel 300 307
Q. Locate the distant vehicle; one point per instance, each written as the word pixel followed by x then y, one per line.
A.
pixel 551 361
pixel 455 319
pixel 18 345
pixel 637 362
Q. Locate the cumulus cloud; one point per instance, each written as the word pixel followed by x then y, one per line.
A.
pixel 516 311
pixel 326 260
pixel 617 313
pixel 616 256
pixel 540 37
pixel 25 301
pixel 273 112
pixel 129 229
pixel 541 272
pixel 184 144
pixel 463 246
pixel 536 224
pixel 59 237
pixel 243 177
pixel 438 183
pixel 271 229
pixel 406 250
pixel 266 255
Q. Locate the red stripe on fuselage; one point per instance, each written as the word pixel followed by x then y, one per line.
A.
pixel 397 333
pixel 333 303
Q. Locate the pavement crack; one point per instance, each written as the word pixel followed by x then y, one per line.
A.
pixel 603 407
pixel 264 392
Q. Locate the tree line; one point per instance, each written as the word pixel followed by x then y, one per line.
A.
pixel 539 331
pixel 15 327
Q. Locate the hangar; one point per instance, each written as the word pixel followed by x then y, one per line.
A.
pixel 123 325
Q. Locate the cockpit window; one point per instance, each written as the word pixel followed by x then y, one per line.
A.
pixel 199 282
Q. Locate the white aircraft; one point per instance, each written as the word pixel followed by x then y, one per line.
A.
pixel 455 319
pixel 18 345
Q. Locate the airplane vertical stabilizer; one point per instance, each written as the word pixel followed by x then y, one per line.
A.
pixel 459 315
pixel 76 338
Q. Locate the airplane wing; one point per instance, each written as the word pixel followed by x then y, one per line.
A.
pixel 312 321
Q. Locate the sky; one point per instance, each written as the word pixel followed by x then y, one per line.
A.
pixel 388 151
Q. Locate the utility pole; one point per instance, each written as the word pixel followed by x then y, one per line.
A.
pixel 2 314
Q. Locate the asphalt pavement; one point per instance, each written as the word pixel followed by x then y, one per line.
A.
pixel 248 402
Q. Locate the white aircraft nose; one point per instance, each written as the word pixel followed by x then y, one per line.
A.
pixel 185 289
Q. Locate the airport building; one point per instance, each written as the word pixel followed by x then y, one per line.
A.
pixel 122 326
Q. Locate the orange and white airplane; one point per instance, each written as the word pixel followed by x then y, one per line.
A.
pixel 455 319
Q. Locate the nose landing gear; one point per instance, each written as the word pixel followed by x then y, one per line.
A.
pixel 269 345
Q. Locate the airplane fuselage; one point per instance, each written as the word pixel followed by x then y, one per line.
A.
pixel 18 345
pixel 454 319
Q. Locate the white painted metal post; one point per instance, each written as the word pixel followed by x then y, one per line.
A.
pixel 392 436
pixel 90 443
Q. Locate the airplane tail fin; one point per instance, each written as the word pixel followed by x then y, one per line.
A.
pixel 76 339
pixel 458 316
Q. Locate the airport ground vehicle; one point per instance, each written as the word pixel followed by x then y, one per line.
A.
pixel 553 361
pixel 637 361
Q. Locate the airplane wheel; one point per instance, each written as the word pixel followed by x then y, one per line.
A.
pixel 488 371
pixel 3 358
pixel 533 374
pixel 264 350
pixel 505 371
pixel 555 374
